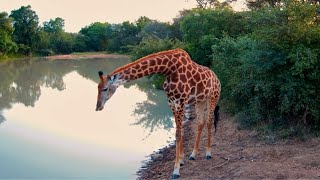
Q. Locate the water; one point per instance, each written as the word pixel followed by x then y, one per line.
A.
pixel 49 127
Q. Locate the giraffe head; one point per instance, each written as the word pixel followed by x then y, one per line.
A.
pixel 106 89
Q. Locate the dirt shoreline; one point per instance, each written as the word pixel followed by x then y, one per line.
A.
pixel 84 56
pixel 239 154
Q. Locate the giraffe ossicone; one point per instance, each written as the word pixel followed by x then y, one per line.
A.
pixel 193 92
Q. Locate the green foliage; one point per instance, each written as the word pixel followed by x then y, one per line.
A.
pixel 259 4
pixel 142 21
pixel 203 28
pixel 158 29
pixel 80 43
pixel 176 25
pixel 272 75
pixel 63 42
pixel 152 44
pixel 54 25
pixel 98 36
pixel 6 44
pixel 53 39
pixel 25 23
pixel 213 3
pixel 124 36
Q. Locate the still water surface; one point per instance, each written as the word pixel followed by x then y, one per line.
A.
pixel 49 127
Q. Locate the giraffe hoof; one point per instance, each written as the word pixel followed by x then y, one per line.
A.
pixel 175 176
pixel 208 157
pixel 192 158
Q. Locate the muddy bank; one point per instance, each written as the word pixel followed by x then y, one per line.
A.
pixel 85 56
pixel 239 155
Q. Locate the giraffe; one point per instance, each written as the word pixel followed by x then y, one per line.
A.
pixel 190 88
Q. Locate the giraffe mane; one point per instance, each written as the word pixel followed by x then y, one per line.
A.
pixel 147 57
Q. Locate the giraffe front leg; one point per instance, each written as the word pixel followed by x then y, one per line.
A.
pixel 178 111
pixel 181 153
pixel 176 173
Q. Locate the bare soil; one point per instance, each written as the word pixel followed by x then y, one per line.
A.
pixel 239 154
pixel 84 56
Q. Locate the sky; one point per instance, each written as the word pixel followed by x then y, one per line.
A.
pixel 80 13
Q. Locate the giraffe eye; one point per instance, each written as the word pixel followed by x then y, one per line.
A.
pixel 105 89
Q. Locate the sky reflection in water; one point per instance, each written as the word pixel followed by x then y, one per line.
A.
pixel 50 128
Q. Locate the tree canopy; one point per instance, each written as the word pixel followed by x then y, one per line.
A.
pixel 7 45
pixel 26 28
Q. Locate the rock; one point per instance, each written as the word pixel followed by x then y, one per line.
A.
pixel 156 156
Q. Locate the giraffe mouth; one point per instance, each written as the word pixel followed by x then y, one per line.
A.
pixel 99 108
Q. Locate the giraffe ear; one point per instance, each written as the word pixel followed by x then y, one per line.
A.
pixel 101 76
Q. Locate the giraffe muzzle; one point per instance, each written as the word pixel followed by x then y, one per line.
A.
pixel 99 108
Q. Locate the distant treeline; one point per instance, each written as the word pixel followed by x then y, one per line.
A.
pixel 268 57
pixel 21 35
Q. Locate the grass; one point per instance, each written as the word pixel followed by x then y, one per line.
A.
pixel 11 57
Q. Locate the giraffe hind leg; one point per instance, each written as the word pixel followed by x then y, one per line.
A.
pixel 210 112
pixel 200 112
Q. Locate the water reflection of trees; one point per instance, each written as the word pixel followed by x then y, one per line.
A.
pixel 154 112
pixel 1 118
pixel 150 114
pixel 21 80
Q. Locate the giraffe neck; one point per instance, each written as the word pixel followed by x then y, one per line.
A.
pixel 160 63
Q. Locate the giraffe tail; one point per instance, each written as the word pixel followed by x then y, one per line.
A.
pixel 216 118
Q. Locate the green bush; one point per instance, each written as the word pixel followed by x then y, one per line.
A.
pixel 203 28
pixel 272 75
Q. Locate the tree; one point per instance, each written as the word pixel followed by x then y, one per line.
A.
pixel 212 3
pixel 54 25
pixel 203 28
pixel 142 22
pixel 124 36
pixel 271 75
pixel 63 42
pixel 176 25
pixel 98 35
pixel 6 31
pixel 158 29
pixel 80 43
pixel 25 23
pixel 259 4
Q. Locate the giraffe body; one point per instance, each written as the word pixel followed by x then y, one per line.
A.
pixel 189 87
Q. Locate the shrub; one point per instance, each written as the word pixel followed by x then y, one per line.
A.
pixel 273 74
